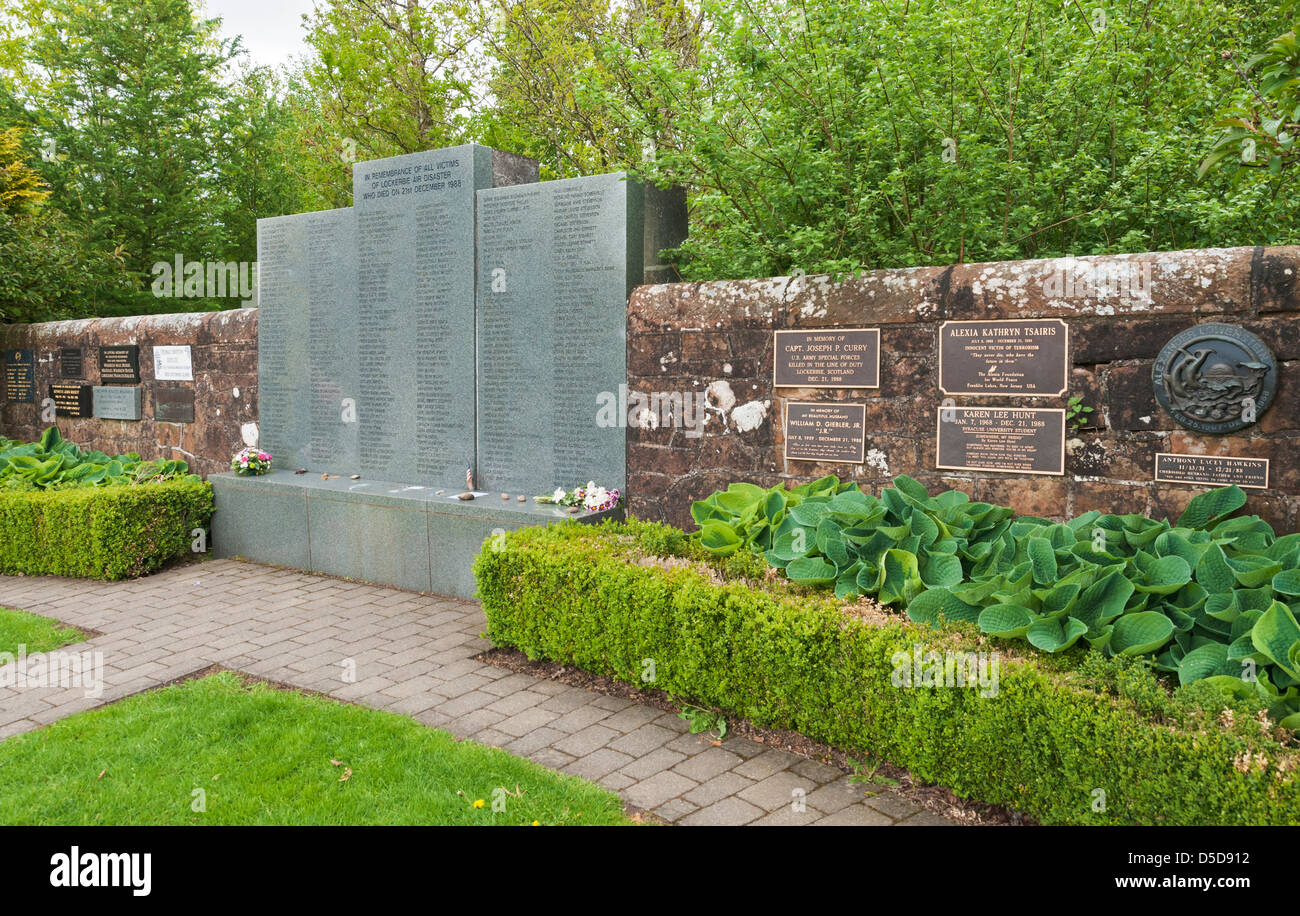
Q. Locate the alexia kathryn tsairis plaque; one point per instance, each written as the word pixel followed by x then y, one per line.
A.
pixel 826 358
pixel 1215 378
pixel 1212 470
pixel 1020 359
pixel 826 432
pixel 1013 439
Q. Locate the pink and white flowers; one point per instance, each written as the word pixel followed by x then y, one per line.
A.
pixel 593 498
pixel 251 462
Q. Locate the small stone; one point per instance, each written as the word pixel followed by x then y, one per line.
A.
pixel 356 476
pixel 301 471
pixel 573 510
pixel 505 495
pixel 439 492
pixel 465 496
pixel 523 499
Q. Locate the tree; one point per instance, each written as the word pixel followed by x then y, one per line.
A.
pixel 129 91
pixel 48 269
pixel 1262 125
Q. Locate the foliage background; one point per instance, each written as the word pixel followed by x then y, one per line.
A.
pixel 810 134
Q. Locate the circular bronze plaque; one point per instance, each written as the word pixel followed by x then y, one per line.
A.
pixel 1215 378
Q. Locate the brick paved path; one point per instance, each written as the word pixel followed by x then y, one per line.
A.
pixel 414 655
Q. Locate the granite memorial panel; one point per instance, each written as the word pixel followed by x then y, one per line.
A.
pixel 556 263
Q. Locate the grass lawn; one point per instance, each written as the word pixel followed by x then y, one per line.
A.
pixel 267 756
pixel 38 634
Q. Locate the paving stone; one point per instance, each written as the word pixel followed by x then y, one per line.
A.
pixel 836 795
pixel 855 816
pixel 632 718
pixel 576 720
pixel 729 812
pixel 777 790
pixel 789 817
pixel 586 741
pixel 893 805
pixel 707 764
pixel 675 809
pixel 769 762
pixel 597 764
pixel 717 788
pixel 643 741
pixel 654 762
pixel 819 773
pixel 527 721
pixel 652 792
pixel 534 741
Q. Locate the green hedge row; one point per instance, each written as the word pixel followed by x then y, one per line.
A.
pixel 1059 728
pixel 100 532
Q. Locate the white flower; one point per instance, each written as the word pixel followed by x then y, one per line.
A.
pixel 595 497
pixel 558 494
pixel 591 485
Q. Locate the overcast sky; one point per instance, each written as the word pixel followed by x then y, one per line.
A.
pixel 271 29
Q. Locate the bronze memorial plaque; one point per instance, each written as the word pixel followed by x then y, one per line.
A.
pixel 173 405
pixel 1215 378
pixel 826 358
pixel 1212 470
pixel 72 400
pixel 1014 439
pixel 825 431
pixel 1019 359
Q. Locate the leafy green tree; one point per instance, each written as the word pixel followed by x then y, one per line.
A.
pixel 576 85
pixel 1262 127
pixel 48 268
pixel 129 91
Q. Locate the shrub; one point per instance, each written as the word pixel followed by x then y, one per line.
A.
pixel 1054 733
pixel 1212 597
pixel 100 532
pixel 51 463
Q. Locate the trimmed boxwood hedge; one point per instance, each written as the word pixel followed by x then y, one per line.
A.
pixel 1058 729
pixel 100 532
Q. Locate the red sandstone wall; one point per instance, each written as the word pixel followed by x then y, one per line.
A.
pixel 690 336
pixel 224 353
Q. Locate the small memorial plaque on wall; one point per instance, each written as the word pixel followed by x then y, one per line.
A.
pixel 20 376
pixel 825 432
pixel 119 365
pixel 1011 439
pixel 173 405
pixel 173 364
pixel 116 402
pixel 1212 470
pixel 72 400
pixel 826 358
pixel 70 362
pixel 1023 359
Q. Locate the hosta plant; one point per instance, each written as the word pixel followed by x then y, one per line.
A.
pixel 1212 596
pixel 51 464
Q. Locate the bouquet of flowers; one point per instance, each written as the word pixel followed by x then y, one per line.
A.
pixel 590 497
pixel 251 462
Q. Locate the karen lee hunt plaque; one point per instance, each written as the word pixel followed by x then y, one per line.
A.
pixel 827 358
pixel 1013 439
pixel 825 432
pixel 1024 359
pixel 1212 470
